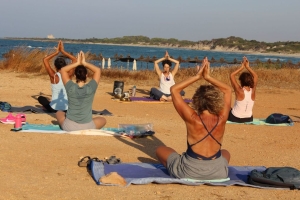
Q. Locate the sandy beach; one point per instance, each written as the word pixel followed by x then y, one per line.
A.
pixel 44 166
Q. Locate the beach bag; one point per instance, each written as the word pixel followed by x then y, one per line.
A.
pixel 4 106
pixel 278 118
pixel 278 177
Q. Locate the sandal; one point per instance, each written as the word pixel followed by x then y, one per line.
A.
pixel 113 160
pixel 86 161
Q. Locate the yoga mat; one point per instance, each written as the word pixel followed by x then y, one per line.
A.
pixel 32 109
pixel 49 128
pixel 134 131
pixel 257 121
pixel 150 100
pixel 27 109
pixel 145 173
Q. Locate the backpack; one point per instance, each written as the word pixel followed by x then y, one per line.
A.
pixel 278 177
pixel 278 118
pixel 4 106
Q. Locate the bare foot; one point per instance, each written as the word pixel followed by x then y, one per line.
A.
pixel 169 98
pixel 163 98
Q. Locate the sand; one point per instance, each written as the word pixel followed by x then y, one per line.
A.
pixel 44 166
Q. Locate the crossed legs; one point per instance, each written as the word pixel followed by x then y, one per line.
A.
pixel 163 152
pixel 98 121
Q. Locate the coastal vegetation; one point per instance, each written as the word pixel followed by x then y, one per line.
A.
pixel 27 62
pixel 231 43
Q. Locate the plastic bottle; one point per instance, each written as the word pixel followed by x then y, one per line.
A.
pixel 18 122
pixel 133 91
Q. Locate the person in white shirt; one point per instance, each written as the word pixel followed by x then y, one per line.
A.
pixel 166 78
pixel 244 93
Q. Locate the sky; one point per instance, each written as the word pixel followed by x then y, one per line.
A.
pixel 194 20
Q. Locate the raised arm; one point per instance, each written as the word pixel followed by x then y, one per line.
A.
pixel 252 72
pixel 156 67
pixel 96 70
pixel 255 78
pixel 224 88
pixel 181 107
pixel 238 90
pixel 67 54
pixel 176 67
pixel 46 62
pixel 65 70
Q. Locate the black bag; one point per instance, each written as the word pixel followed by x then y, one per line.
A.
pixel 278 177
pixel 278 118
pixel 4 106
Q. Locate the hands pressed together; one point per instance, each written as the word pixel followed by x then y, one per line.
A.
pixel 245 62
pixel 167 55
pixel 81 59
pixel 204 69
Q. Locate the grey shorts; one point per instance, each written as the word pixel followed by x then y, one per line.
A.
pixel 184 166
pixel 70 125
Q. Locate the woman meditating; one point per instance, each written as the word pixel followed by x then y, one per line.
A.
pixel 59 100
pixel 166 78
pixel 80 97
pixel 244 94
pixel 205 123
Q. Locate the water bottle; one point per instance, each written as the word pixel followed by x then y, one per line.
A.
pixel 133 91
pixel 18 122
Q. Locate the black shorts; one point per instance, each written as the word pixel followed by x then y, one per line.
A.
pixel 233 118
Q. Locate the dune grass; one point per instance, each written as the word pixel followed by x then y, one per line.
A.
pixel 24 60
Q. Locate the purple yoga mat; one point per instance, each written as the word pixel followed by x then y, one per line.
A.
pixel 148 99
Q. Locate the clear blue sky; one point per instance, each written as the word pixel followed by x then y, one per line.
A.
pixel 262 20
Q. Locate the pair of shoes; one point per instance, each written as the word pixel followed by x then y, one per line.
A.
pixel 10 119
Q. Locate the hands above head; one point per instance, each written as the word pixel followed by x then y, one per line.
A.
pixel 81 58
pixel 204 69
pixel 83 62
pixel 62 48
pixel 245 61
pixel 167 55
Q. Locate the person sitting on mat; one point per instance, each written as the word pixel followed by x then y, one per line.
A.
pixel 59 100
pixel 80 97
pixel 244 93
pixel 205 123
pixel 166 79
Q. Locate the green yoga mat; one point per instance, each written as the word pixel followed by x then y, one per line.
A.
pixel 105 131
pixel 257 121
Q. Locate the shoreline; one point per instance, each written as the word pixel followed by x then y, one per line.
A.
pixel 295 55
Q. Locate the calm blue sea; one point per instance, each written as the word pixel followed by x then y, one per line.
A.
pixel 108 51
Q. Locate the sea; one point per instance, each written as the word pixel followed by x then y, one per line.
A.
pixel 109 51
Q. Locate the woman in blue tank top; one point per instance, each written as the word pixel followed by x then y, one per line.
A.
pixel 59 100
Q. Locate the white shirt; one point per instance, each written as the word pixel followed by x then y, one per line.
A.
pixel 243 109
pixel 166 82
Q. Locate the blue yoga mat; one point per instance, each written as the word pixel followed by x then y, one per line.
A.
pixel 145 173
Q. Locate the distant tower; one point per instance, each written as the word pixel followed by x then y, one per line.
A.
pixel 50 36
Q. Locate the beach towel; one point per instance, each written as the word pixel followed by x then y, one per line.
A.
pixel 135 130
pixel 150 100
pixel 50 128
pixel 32 109
pixel 257 121
pixel 145 173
